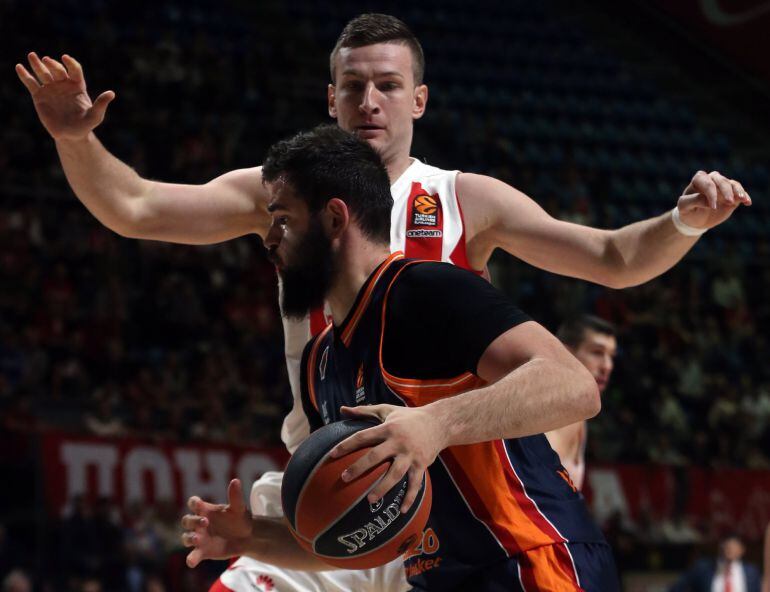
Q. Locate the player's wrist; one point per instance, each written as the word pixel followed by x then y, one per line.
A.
pixel 74 141
pixel 684 228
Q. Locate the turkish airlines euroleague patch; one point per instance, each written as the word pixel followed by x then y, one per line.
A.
pixel 424 225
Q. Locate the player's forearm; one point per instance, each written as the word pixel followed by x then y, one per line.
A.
pixel 644 250
pixel 107 187
pixel 271 542
pixel 537 397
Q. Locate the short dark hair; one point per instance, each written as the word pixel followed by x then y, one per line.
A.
pixel 368 29
pixel 572 331
pixel 328 162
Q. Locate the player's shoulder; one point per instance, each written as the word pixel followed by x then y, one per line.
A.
pixel 431 276
pixel 425 170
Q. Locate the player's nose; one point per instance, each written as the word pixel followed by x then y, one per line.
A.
pixel 369 104
pixel 272 239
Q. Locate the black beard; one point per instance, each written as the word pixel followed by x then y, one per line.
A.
pixel 307 280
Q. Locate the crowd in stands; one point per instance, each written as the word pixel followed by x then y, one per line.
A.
pixel 118 337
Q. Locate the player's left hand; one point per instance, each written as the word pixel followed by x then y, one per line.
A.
pixel 408 436
pixel 710 199
pixel 217 531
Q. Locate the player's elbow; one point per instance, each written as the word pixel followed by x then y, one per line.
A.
pixel 589 402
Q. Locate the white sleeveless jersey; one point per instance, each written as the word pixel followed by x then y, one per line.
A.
pixel 426 223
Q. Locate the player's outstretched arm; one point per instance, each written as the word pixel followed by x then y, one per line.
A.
pixel 222 531
pixel 500 216
pixel 229 206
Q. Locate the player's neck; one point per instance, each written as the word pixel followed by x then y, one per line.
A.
pixel 355 263
pixel 397 166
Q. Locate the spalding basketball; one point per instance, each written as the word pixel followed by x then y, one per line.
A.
pixel 333 519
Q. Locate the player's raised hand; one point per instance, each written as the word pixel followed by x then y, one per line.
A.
pixel 407 435
pixel 217 531
pixel 710 199
pixel 60 97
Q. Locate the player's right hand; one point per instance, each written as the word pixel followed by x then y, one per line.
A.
pixel 217 531
pixel 59 94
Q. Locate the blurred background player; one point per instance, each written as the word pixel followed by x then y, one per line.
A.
pixel 726 573
pixel 592 341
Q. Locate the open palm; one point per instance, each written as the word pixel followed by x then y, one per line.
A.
pixel 58 91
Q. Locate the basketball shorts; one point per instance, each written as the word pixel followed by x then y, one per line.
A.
pixel 566 567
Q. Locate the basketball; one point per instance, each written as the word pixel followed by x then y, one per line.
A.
pixel 333 519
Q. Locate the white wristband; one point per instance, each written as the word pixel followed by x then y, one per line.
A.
pixel 683 228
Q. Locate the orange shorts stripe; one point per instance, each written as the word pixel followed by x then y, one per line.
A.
pixel 544 570
pixel 479 467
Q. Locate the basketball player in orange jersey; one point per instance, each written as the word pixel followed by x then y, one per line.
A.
pixel 592 341
pixel 464 392
pixel 377 91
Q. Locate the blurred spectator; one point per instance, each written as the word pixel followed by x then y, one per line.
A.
pixel 17 581
pixel 144 546
pixel 726 573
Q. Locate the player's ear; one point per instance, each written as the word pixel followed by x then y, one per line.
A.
pixel 331 100
pixel 420 101
pixel 336 217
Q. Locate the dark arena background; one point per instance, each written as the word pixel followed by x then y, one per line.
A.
pixel 134 374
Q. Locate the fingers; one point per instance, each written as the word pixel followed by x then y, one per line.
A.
pixel 74 69
pixel 702 183
pixel 368 461
pixel 194 557
pixel 58 71
pixel 724 186
pixel 27 79
pixel 718 188
pixel 415 481
pixel 379 412
pixel 743 195
pixel 39 68
pixel 189 539
pixel 99 108
pixel 199 507
pixel 396 472
pixel 235 495
pixel 192 522
pixel 373 435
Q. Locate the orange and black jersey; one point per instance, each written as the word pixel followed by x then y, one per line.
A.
pixel 415 334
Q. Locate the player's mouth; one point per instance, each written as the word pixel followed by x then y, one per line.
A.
pixel 273 257
pixel 369 131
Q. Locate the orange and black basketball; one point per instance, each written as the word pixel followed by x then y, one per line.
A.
pixel 425 204
pixel 333 519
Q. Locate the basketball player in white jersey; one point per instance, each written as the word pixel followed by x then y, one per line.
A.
pixel 377 92
pixel 593 342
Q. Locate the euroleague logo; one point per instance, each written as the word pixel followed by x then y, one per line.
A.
pixel 360 391
pixel 425 210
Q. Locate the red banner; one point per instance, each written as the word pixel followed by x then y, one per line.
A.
pixel 724 500
pixel 737 28
pixel 127 470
